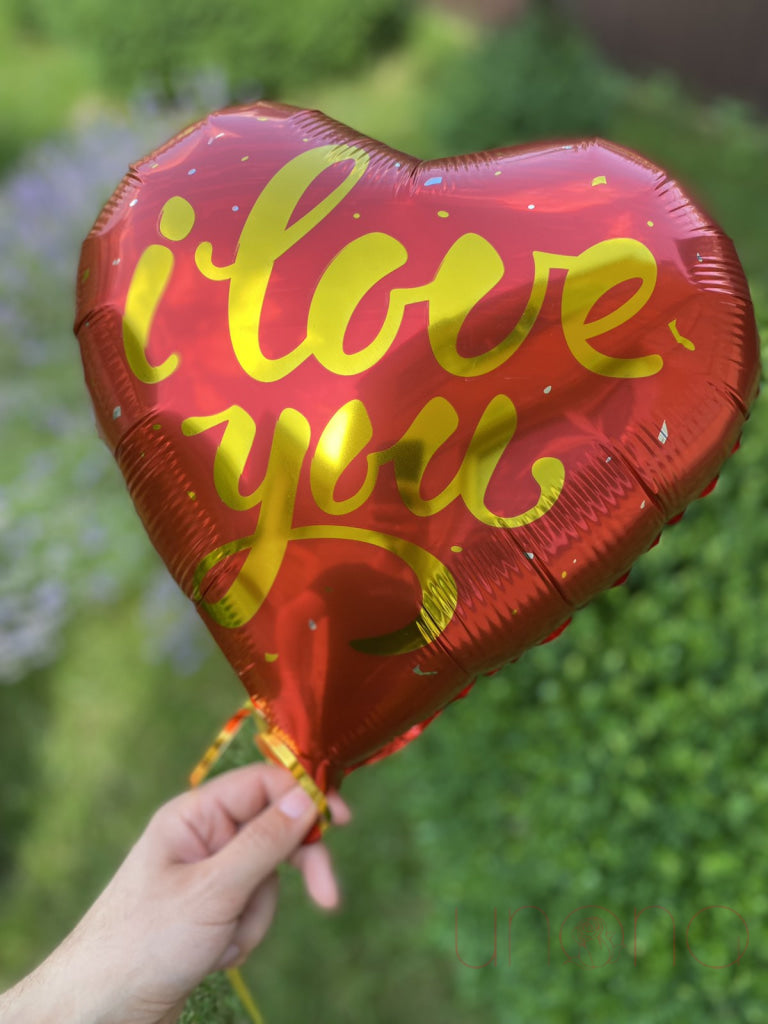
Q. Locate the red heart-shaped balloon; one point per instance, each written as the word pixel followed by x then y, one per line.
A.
pixel 388 422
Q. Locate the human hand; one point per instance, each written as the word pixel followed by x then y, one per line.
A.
pixel 196 894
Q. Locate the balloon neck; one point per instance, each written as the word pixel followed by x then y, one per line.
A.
pixel 274 749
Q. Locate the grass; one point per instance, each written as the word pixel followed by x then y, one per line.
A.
pixel 31 110
pixel 389 101
pixel 111 737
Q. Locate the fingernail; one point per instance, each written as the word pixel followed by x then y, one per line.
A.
pixel 332 897
pixel 296 802
pixel 341 813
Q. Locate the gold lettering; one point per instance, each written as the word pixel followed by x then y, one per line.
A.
pixel 411 455
pixel 347 433
pixel 235 447
pixel 342 441
pixel 150 279
pixel 350 430
pixel 277 496
pixel 493 434
pixel 265 237
pixel 591 275
pixel 470 269
pixel 267 545
pixel 349 276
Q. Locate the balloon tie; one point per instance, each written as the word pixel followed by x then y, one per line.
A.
pixel 276 750
pixel 272 747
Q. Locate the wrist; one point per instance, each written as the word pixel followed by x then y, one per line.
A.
pixel 59 991
pixel 44 997
pixel 65 987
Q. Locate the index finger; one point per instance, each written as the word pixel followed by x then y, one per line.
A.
pixel 213 813
pixel 242 792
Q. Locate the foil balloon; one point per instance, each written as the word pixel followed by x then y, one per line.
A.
pixel 389 422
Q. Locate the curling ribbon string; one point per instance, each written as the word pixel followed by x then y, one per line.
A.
pixel 225 736
pixel 243 993
pixel 272 747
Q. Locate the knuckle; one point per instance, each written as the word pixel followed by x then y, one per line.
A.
pixel 270 837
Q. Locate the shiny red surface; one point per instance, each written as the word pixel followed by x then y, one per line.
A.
pixel 634 451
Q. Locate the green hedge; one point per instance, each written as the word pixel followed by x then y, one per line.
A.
pixel 259 46
pixel 535 79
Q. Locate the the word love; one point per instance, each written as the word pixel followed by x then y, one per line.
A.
pixel 467 273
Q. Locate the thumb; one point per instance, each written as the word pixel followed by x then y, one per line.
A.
pixel 265 842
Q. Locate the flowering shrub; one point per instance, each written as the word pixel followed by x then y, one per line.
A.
pixel 68 535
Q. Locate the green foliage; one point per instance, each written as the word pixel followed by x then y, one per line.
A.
pixel 536 79
pixel 259 46
pixel 30 109
pixel 719 151
pixel 626 766
pixel 213 1001
pixel 57 60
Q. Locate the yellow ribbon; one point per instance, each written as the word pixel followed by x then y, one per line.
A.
pixel 243 993
pixel 275 749
pixel 225 736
